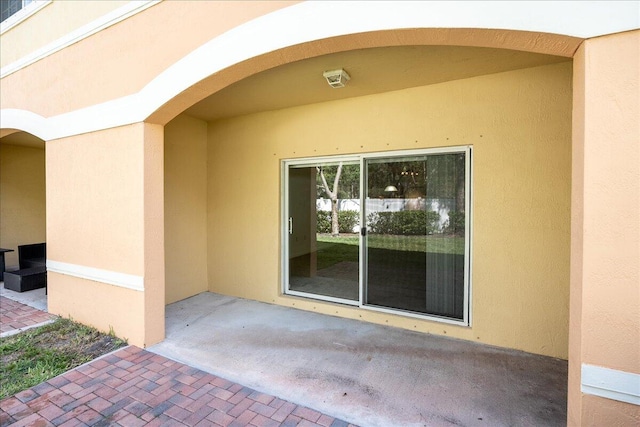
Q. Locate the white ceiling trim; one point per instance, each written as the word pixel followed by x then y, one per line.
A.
pixel 582 19
pixel 26 121
pixel 313 20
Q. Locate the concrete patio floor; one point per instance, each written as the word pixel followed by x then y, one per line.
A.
pixel 366 374
pixel 134 387
pixel 36 298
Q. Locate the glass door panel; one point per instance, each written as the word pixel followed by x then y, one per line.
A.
pixel 323 230
pixel 415 244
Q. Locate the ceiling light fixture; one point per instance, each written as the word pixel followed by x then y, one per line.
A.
pixel 336 78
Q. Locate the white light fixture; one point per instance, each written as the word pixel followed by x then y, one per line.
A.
pixel 390 188
pixel 337 78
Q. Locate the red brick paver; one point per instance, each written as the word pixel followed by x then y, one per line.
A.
pixel 134 387
pixel 15 316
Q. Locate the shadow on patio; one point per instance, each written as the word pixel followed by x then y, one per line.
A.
pixel 364 373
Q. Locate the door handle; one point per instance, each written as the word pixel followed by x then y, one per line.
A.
pixel 290 225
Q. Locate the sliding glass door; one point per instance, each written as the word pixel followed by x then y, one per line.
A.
pixel 323 230
pixel 415 246
pixel 412 254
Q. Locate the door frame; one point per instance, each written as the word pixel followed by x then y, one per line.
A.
pixel 362 261
pixel 284 256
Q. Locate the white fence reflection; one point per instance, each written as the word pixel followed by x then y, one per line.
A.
pixel 441 206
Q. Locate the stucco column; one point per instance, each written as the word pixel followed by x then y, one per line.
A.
pixel 105 230
pixel 604 338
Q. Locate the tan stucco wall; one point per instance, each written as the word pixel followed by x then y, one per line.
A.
pixel 574 406
pixel 605 270
pixel 599 411
pixel 119 59
pixel 50 23
pixel 22 198
pixel 106 307
pixel 95 200
pixel 611 282
pixel 153 219
pixel 105 210
pixel 519 124
pixel 185 178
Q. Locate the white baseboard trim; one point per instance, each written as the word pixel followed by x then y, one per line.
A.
pixel 115 278
pixel 611 384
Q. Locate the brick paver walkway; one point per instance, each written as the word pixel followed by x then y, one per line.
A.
pixel 15 316
pixel 134 387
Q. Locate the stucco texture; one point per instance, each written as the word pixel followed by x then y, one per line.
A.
pixel 605 265
pixel 95 200
pixel 108 308
pixel 185 189
pixel 611 283
pixel 106 212
pixel 118 58
pixel 519 124
pixel 599 411
pixel 57 19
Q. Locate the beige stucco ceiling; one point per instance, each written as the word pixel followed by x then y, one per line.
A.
pixel 372 71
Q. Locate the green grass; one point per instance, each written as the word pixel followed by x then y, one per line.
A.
pixel 336 250
pixel 39 354
pixel 433 244
pixel 332 250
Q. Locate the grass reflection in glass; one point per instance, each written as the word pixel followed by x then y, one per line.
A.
pixel 335 249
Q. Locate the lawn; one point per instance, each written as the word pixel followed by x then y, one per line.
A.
pixel 334 249
pixel 39 354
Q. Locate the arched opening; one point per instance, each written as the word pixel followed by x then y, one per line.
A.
pixel 409 90
pixel 22 201
pixel 177 84
pixel 233 139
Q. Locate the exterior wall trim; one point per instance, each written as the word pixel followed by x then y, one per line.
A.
pixel 26 121
pixel 22 14
pixel 115 278
pixel 81 33
pixel 611 384
pixel 310 21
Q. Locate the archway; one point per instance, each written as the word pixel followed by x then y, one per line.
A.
pixel 410 89
pixel 22 192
